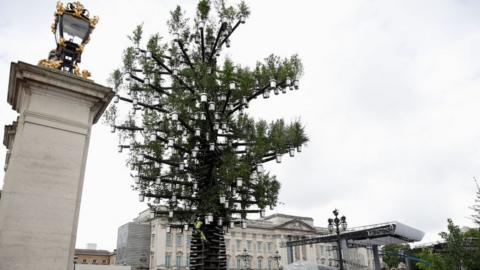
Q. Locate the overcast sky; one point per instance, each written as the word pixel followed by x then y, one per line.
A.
pixel 390 99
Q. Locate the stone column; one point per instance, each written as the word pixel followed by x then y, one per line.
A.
pixel 40 203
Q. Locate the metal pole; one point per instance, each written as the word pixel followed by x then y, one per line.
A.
pixel 289 255
pixel 376 257
pixel 340 258
pixel 408 263
pixel 334 225
pixel 289 251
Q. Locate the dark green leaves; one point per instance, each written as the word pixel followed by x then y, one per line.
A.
pixel 177 22
pixel 203 8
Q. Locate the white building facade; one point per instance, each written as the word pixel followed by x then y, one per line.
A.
pixel 263 241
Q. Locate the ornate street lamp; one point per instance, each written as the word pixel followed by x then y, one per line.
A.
pixel 277 259
pixel 72 28
pixel 246 258
pixel 336 225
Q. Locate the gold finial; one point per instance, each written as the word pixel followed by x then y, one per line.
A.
pixel 61 42
pixel 55 64
pixel 86 74
pixel 76 70
pixel 78 8
pixel 94 21
pixel 60 8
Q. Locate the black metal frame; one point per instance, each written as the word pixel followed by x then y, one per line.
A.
pixel 277 258
pixel 245 256
pixel 335 225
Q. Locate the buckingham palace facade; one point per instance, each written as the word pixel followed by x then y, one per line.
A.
pixel 259 246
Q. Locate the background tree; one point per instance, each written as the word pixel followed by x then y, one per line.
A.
pixel 471 260
pixel 432 260
pixel 458 250
pixel 476 206
pixel 390 252
pixel 194 152
pixel 454 248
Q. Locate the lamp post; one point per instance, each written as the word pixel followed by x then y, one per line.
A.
pixel 277 259
pixel 72 28
pixel 336 225
pixel 245 257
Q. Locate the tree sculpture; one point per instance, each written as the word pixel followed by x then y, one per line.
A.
pixel 193 151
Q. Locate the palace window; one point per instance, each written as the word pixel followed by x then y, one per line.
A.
pixel 167 260
pixel 169 239
pixel 178 241
pixel 178 263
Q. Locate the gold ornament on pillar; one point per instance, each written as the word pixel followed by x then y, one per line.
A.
pixel 72 28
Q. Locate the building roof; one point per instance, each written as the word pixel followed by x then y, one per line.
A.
pixel 286 216
pixel 288 222
pixel 271 222
pixel 97 252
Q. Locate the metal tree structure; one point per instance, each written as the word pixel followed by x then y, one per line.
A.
pixel 194 152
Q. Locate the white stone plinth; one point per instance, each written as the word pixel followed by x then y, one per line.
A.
pixel 41 196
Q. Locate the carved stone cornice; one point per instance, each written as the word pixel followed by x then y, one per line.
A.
pixel 24 77
pixel 9 134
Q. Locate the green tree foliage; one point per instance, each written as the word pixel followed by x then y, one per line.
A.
pixel 476 206
pixel 458 250
pixel 193 149
pixel 471 260
pixel 454 249
pixel 390 252
pixel 433 261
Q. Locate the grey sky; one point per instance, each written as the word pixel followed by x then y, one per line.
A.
pixel 390 99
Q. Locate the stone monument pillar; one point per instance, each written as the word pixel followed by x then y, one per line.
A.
pixel 47 154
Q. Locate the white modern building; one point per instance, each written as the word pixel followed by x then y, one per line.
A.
pixel 263 243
